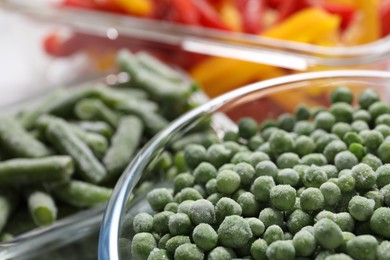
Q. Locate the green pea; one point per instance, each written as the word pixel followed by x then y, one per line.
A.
pixel 266 168
pixel 340 129
pixel 378 108
pixel 304 128
pixel 324 120
pixel 361 114
pixel 384 152
pixel 190 194
pixel 270 216
pixel 380 222
pixel 158 254
pixel 259 249
pixel 345 221
pixel 312 199
pixel 352 137
pixel 202 211
pixel 163 241
pixel 314 176
pixel 287 160
pixel 317 134
pixel 358 150
pixel 361 208
pixel 385 190
pixel 362 247
pixel 283 197
pixel 346 182
pixel 281 142
pixel 341 94
pixel 218 154
pixel 214 198
pixel 304 243
pixel 231 136
pixel 342 112
pixel 234 232
pixel 345 160
pixel 171 206
pixel 359 125
pixel 383 119
pixel 211 186
pixel 246 172
pixel 383 129
pixel 158 198
pixel 338 257
pixel 287 122
pixel 257 226
pixel 204 172
pixel 372 139
pixel 161 222
pixel 330 170
pixel 268 123
pixel 179 224
pixel 205 237
pixel 316 110
pixel 239 157
pixel 176 241
pixel 227 207
pixel 228 166
pixel 331 193
pixel 324 214
pixel 185 206
pixel 383 176
pixel 377 196
pixel 328 234
pixel 228 181
pixel 273 233
pixel 250 207
pixel 247 127
pixel 368 97
pixel 298 219
pixel 288 176
pixel 314 158
pixel 281 250
pixel 372 161
pixel 304 145
pixel 268 132
pixel 383 250
pixel 143 222
pixel 333 148
pixel 142 244
pixel 261 188
pixel 364 176
pixel 183 180
pixel 221 253
pixel 188 251
pixel 255 142
pixel 194 154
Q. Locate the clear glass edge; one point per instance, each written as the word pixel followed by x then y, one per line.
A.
pixel 308 54
pixel 109 230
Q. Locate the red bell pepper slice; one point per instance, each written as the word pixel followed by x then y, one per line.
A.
pixel 183 11
pixel 208 17
pixel 105 5
pixel 288 7
pixel 252 12
pixel 345 11
pixel 385 18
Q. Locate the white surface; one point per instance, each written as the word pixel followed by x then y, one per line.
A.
pixel 24 67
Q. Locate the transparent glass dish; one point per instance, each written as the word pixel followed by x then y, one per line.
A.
pixel 121 30
pixel 250 100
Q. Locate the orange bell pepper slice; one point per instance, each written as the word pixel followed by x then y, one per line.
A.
pixel 136 7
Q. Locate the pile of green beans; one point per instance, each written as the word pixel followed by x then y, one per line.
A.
pixel 314 184
pixel 65 154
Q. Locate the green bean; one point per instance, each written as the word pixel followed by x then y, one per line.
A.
pixel 81 194
pixel 42 207
pixel 123 145
pixel 25 171
pixel 94 109
pixel 97 127
pixel 8 201
pixel 17 142
pixel 87 165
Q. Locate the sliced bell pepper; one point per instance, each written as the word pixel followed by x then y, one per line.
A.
pixel 183 11
pixel 369 24
pixel 385 18
pixel 345 11
pixel 136 7
pixel 208 17
pixel 289 7
pixel 105 5
pixel 252 15
pixel 230 15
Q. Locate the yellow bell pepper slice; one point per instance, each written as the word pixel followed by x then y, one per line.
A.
pixel 230 15
pixel 136 7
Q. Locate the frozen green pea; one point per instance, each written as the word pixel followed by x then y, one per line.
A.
pixel 312 199
pixel 314 158
pixel 340 256
pixel 221 253
pixel 183 180
pixel 205 237
pixel 288 176
pixel 333 148
pixel 384 152
pixel 317 134
pixel 266 168
pixel 372 161
pixel 383 129
pixel 185 206
pixel 190 194
pixel 281 250
pixel 173 243
pixel 218 154
pixel 214 198
pixel 358 150
pixel 241 156
pixel 372 139
pixel 364 176
pixel 352 137
pixel 270 216
pixel 324 214
pixel 202 211
pixel 255 142
pixel 287 236
pixel 163 241
pixel 297 220
pixel 204 172
pixel 383 176
pixel 362 247
pixel 228 181
pixel 361 114
pixel 342 112
pixel 188 252
pixel 143 222
pixel 211 186
pixel 346 182
pixel 227 166
pixel 314 176
pixel 345 221
pixel 257 226
pixel 316 110
pixel 378 108
pixel 304 243
pixel 286 122
pixel 377 196
pixel 341 94
pixel 345 160
pixel 194 154
pixel 342 206
pixel 273 233
pixel 161 222
pixel 324 120
pixel 304 128
pixel 250 207
pixel 267 133
pixel 259 249
pixel 261 188
pixel 385 190
pixel 383 250
pixel 247 127
pixel 340 129
pixel 201 190
pixel 230 136
pixel 359 125
pixel 179 224
pixel 304 145
pixel 380 222
pixel 281 142
pixel 328 234
pixel 330 170
pixel 227 207
pixel 171 206
pixel 234 232
pixel 287 160
pixel 368 97
pixel 331 193
pixel 234 147
pixel 383 119
pixel 159 254
pixel 159 197
pixel 283 197
pixel 346 237
pixel 361 208
pixel 246 172
pixel 256 157
pixel 302 112
pixel 142 244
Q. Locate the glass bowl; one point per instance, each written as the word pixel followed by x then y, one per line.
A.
pixel 251 100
